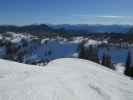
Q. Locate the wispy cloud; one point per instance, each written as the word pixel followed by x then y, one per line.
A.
pixel 105 16
pixel 110 16
pixel 99 19
pixel 114 17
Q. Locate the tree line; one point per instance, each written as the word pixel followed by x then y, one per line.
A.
pixel 91 53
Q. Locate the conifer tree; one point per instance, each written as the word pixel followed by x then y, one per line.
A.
pixel 128 61
pixel 82 51
pixel 128 66
pixel 92 54
pixel 106 61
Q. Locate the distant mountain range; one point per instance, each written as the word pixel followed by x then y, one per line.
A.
pixel 43 29
pixel 95 28
pixel 27 28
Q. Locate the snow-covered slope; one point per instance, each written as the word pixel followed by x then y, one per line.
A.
pixel 63 79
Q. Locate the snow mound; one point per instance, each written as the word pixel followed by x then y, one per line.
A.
pixel 63 79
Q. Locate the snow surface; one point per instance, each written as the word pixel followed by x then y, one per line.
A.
pixel 17 37
pixel 62 79
pixel 93 42
pixel 120 67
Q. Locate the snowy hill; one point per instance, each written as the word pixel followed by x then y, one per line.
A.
pixel 62 79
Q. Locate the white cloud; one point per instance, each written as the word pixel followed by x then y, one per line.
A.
pixel 105 16
pixel 105 19
pixel 115 17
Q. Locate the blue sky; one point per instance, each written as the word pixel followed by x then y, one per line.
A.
pixel 21 12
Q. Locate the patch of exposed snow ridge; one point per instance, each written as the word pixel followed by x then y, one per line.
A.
pixel 63 79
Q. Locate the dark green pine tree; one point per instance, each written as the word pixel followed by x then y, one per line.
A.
pixel 92 54
pixel 128 66
pixel 89 52
pixel 82 51
pixel 128 61
pixel 96 57
pixel 106 61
